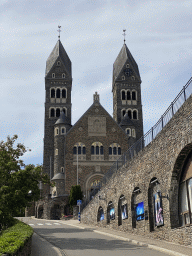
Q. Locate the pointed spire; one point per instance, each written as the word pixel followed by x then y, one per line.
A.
pixel 124 35
pixel 123 57
pixel 58 51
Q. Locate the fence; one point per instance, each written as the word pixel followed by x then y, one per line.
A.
pixel 152 133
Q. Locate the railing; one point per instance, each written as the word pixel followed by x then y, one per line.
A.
pixel 152 133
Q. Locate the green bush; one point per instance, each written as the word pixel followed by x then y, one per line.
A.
pixel 13 238
pixel 75 194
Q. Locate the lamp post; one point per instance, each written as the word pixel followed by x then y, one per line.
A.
pixel 77 166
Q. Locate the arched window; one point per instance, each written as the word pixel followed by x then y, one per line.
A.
pixel 63 130
pixel 63 93
pixel 134 114
pixel 79 150
pixel 52 93
pixel 58 93
pixel 185 193
pixel 97 148
pixel 133 133
pixel 53 75
pixel 114 149
pixel 123 113
pixel 84 150
pixel 128 131
pixel 52 112
pixel 101 150
pixel 57 112
pixel 129 114
pixel 75 150
pixel 133 95
pixel 128 95
pixel 123 95
pixel 56 131
pixel 63 75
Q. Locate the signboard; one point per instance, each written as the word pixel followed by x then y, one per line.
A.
pixel 79 202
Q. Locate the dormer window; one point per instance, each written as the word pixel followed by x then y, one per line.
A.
pixel 58 63
pixel 127 66
pixel 63 75
pixel 133 78
pixel 53 75
pixel 123 77
pixel 62 169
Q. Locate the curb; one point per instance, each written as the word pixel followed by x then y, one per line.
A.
pixel 154 247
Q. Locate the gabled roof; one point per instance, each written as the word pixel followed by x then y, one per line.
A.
pixel 98 104
pixel 124 56
pixel 58 51
pixel 63 119
pixel 126 121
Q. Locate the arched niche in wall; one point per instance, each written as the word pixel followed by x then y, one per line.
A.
pixel 185 193
pixel 122 209
pixel 137 206
pixel 155 206
pixel 176 199
pixel 100 214
pixel 110 212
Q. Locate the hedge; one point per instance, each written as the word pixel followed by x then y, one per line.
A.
pixel 15 237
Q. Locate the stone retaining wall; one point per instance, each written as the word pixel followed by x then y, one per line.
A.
pixel 161 160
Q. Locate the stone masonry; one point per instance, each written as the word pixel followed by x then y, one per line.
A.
pixel 161 160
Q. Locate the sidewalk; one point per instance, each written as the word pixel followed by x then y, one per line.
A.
pixel 159 245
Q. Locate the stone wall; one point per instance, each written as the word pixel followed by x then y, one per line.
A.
pixel 162 160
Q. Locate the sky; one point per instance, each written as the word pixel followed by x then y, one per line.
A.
pixel 158 34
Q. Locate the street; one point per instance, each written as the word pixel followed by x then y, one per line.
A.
pixel 61 238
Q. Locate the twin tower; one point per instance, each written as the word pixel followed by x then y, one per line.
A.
pixel 83 153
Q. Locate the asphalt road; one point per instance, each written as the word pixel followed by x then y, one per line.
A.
pixel 52 238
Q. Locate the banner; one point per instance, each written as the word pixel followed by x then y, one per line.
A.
pixel 158 209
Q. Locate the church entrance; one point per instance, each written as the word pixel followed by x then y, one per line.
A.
pixel 93 185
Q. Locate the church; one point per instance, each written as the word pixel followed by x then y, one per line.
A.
pixel 82 153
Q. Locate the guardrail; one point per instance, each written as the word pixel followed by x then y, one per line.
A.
pixel 152 133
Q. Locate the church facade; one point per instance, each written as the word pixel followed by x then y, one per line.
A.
pixel 82 153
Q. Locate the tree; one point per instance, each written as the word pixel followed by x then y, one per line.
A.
pixel 18 187
pixel 75 194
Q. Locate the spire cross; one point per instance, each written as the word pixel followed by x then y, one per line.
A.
pixel 59 30
pixel 124 34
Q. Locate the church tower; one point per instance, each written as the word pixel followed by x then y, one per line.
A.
pixel 126 88
pixel 58 86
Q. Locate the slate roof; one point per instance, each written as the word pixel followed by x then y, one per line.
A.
pixel 63 119
pixel 58 51
pixel 120 61
pixel 58 176
pixel 126 121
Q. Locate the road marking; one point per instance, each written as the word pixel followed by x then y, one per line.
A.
pixel 56 223
pixel 72 225
pixel 49 224
pixel 32 224
pixel 40 224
